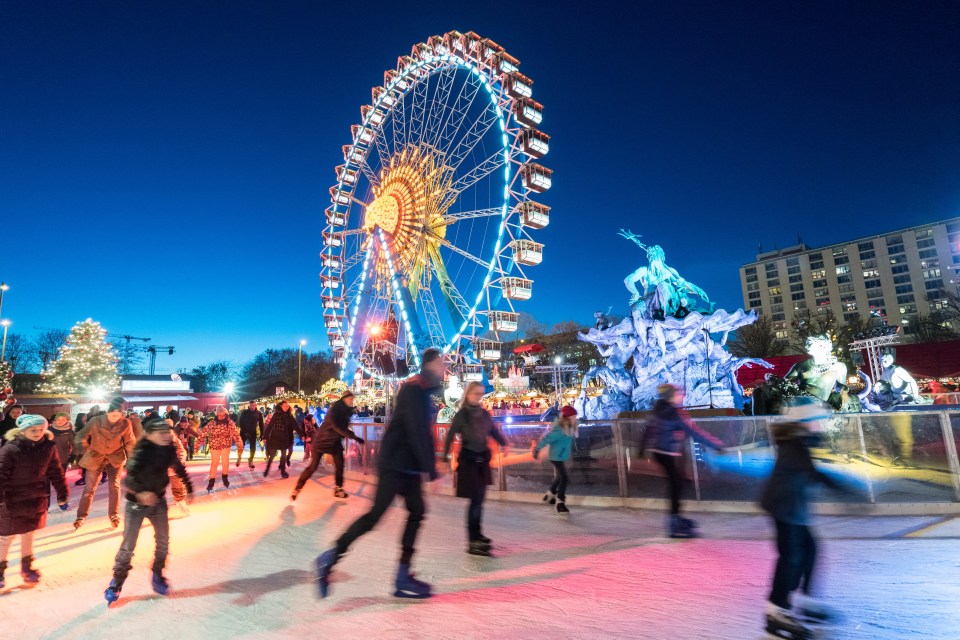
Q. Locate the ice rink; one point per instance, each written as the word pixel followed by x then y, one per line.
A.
pixel 241 566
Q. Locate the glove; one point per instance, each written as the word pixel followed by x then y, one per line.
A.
pixel 63 506
pixel 359 440
pixel 535 454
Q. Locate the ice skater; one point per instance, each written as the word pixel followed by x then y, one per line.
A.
pixel 278 437
pixel 220 433
pixel 146 481
pixel 475 427
pixel 560 440
pixel 786 498
pixel 250 422
pixel 406 453
pixel 329 439
pixel 666 431
pixel 29 464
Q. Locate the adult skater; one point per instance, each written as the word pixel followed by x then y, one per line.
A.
pixel 29 464
pixel 475 427
pixel 250 422
pixel 329 439
pixel 406 452
pixel 786 498
pixel 560 440
pixel 147 480
pixel 108 439
pixel 220 433
pixel 278 437
pixel 666 432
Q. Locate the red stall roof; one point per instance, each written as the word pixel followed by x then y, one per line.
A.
pixel 529 348
pixel 929 359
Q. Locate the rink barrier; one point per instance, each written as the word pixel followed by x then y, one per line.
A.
pixel 896 463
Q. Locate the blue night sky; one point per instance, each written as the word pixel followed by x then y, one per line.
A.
pixel 164 167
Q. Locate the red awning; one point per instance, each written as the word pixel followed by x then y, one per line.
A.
pixel 529 348
pixel 755 375
pixel 928 359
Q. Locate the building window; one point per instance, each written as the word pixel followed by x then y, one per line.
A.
pixel 905 298
pixel 927 253
pixel 753 295
pixel 904 288
pixel 774 291
pixel 753 286
pixel 793 270
pixel 851 317
pixel 797 296
pixel 846 288
pixel 773 282
pixel 904 279
pixel 816 264
pixel 777 316
pixel 843 269
pixel 901 259
pixel 841 260
pixel 926 243
pixel 924 233
pixel 793 262
pixel 819 283
pixel 823 302
pixel 776 299
pixel 776 308
pixel 844 279
pixel 865 246
pixel 900 268
pixel 871 273
pixel 871 284
pixel 908 308
pixel 799 304
pixel 819 273
pixel 796 287
pixel 868 264
pixel 771 267
pixel 930 264
pixel 795 278
pixel 839 251
pixel 781 335
pixel 931 273
pixel 933 284
pixel 824 309
pixel 750 271
pixel 821 293
pixel 752 278
pixel 755 303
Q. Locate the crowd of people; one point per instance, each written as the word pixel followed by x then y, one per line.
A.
pixel 148 452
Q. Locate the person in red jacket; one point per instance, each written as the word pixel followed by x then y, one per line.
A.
pixel 220 433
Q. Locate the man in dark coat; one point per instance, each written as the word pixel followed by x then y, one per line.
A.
pixel 406 454
pixel 250 422
pixel 278 437
pixel 329 439
pixel 29 464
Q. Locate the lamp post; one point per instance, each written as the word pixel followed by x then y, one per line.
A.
pixel 3 287
pixel 558 379
pixel 3 350
pixel 227 390
pixel 300 363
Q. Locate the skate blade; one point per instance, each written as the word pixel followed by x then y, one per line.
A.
pixel 412 595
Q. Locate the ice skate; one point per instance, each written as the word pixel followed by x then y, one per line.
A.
pixel 78 523
pixel 114 521
pixel 782 624
pixel 284 475
pixel 210 484
pixel 814 611
pixel 340 494
pixel 3 569
pixel 484 539
pixel 27 572
pixel 251 465
pixel 159 583
pixel 325 562
pixel 294 494
pixel 238 463
pixel 562 508
pixel 184 509
pixel 226 481
pixel 688 523
pixel 112 593
pixel 409 587
pixel 549 498
pixel 679 529
pixel 479 548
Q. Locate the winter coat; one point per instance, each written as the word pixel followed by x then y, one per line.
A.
pixel 475 426
pixel 8 423
pixel 279 433
pixel 221 435
pixel 668 427
pixel 786 495
pixel 147 469
pixel 25 469
pixel 106 443
pixel 560 443
pixel 249 421
pixel 181 454
pixel 335 427
pixel 407 444
pixel 64 439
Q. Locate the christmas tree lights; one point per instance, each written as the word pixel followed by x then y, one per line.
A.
pixel 87 361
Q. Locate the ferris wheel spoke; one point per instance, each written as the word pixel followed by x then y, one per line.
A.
pixel 382 148
pixel 451 218
pixel 418 111
pixel 398 124
pixel 438 106
pixel 370 173
pixel 432 317
pixel 449 245
pixel 456 304
pixel 478 129
pixel 458 113
pixel 470 178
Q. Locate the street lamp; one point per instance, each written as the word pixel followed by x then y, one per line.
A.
pixel 300 363
pixel 227 390
pixel 558 379
pixel 3 351
pixel 3 287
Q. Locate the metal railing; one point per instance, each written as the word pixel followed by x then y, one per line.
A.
pixel 888 458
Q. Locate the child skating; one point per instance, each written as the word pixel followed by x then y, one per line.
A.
pixel 560 440
pixel 786 498
pixel 146 483
pixel 28 461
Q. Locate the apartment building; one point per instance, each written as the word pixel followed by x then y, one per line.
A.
pixel 898 275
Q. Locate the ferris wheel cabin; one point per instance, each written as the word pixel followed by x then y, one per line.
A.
pixel 518 85
pixel 533 214
pixel 537 177
pixel 527 252
pixel 333 238
pixel 528 112
pixel 487 349
pixel 534 143
pixel 516 288
pixel 503 321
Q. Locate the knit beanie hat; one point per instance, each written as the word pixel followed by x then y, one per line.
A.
pixel 116 404
pixel 28 420
pixel 155 424
pixel 568 412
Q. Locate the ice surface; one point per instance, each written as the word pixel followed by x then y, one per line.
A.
pixel 241 567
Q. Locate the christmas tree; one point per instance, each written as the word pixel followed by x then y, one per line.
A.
pixel 87 361
pixel 6 385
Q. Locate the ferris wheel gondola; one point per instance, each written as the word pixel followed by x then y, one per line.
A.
pixel 428 231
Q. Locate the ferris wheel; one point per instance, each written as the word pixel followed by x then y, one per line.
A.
pixel 428 233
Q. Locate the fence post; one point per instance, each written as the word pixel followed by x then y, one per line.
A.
pixel 863 452
pixel 501 475
pixel 951 449
pixel 621 453
pixel 693 461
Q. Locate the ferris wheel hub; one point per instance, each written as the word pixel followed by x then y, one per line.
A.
pixel 383 212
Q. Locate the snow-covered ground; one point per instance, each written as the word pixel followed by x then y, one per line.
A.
pixel 242 566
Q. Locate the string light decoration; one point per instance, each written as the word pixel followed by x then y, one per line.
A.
pixel 87 361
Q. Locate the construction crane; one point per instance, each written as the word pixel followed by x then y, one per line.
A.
pixel 152 350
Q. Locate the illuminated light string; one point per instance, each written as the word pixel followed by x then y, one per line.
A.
pixel 360 146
